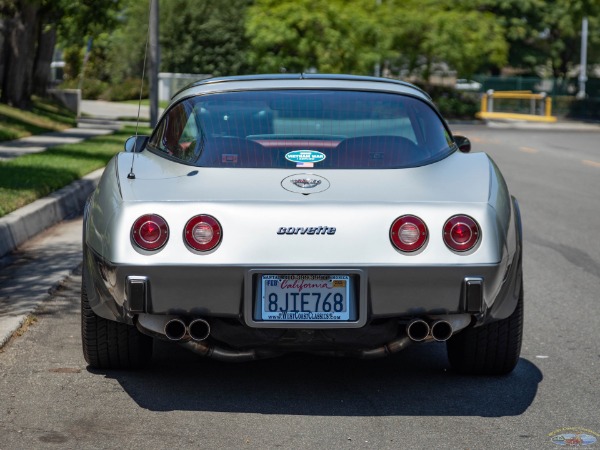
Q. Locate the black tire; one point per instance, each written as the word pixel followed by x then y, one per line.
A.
pixel 111 345
pixel 491 349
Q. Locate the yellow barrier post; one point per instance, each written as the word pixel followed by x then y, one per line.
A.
pixel 484 102
pixel 487 106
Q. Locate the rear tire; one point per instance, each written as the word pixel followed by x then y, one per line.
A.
pixel 108 344
pixel 491 349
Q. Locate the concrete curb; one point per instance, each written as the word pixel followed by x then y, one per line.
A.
pixel 23 224
pixel 556 126
pixel 9 326
pixel 524 125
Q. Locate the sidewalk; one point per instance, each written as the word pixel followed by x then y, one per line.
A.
pixel 41 142
pixel 99 118
pixel 23 224
pixel 29 276
pixel 43 260
pixel 113 111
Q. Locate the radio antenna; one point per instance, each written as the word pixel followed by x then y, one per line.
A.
pixel 131 175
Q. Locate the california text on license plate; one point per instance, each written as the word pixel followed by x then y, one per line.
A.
pixel 305 297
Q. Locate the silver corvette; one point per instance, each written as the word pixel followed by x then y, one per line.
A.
pixel 328 214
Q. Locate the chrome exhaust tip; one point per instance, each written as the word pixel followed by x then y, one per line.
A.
pixel 199 329
pixel 441 330
pixel 175 329
pixel 417 330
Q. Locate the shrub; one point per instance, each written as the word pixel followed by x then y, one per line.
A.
pixel 586 109
pixel 92 89
pixel 128 89
pixel 454 104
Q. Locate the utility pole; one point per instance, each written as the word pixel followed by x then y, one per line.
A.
pixel 583 61
pixel 154 62
pixel 377 68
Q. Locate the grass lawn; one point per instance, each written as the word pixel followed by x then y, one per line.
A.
pixel 43 117
pixel 29 177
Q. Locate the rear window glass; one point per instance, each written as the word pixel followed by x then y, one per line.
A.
pixel 302 128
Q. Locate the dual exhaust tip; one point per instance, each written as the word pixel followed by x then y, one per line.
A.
pixel 178 330
pixel 419 330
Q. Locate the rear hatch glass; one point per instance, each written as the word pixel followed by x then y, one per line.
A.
pixel 302 128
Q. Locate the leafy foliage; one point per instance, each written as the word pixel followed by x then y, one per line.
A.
pixel 562 21
pixel 406 37
pixel 82 19
pixel 523 27
pixel 454 104
pixel 203 36
pixel 305 35
pixel 427 32
pixel 126 45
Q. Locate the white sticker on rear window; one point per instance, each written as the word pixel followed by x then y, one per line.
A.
pixel 305 156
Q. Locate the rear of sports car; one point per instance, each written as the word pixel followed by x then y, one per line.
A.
pixel 333 217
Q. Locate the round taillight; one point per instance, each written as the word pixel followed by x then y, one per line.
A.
pixel 203 233
pixel 461 233
pixel 150 232
pixel 408 233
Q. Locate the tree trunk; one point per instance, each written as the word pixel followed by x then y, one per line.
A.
pixel 3 48
pixel 18 69
pixel 43 59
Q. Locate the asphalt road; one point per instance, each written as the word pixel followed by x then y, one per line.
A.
pixel 48 398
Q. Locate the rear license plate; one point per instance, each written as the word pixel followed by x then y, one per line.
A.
pixel 305 298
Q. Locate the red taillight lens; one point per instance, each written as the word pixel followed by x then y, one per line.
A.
pixel 150 232
pixel 203 233
pixel 461 233
pixel 408 233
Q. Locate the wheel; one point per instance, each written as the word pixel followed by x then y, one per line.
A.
pixel 491 349
pixel 108 344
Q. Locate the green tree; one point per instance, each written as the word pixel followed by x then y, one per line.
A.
pixel 561 39
pixel 429 32
pixel 20 33
pixel 196 36
pixel 30 31
pixel 325 35
pixel 523 27
pixel 125 47
pixel 203 36
pixel 86 26
pixel 544 33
